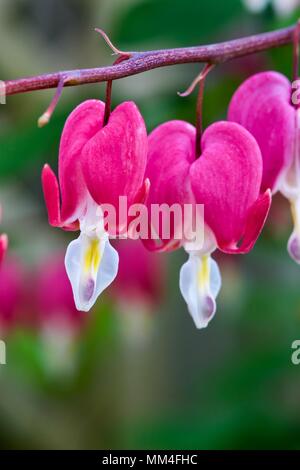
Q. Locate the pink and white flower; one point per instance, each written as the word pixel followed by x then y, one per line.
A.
pixel 226 179
pixel 97 165
pixel 263 105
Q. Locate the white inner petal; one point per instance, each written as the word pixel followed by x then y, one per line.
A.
pixel 285 7
pixel 209 243
pixel 200 283
pixel 255 6
pixel 91 262
pixel 294 240
pixel 289 185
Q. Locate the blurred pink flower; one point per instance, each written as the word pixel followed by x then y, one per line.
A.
pixel 59 322
pixel 141 276
pixel 11 293
pixel 3 242
pixel 54 298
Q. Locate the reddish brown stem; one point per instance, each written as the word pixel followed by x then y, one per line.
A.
pixel 200 79
pixel 199 118
pixel 199 108
pixel 144 61
pixel 108 93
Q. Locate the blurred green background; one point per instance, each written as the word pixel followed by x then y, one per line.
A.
pixel 138 374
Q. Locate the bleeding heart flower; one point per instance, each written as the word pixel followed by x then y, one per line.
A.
pixel 97 165
pixel 263 105
pixel 226 179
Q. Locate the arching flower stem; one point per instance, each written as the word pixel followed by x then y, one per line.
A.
pixel 108 93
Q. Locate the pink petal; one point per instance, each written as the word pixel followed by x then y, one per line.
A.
pixel 226 179
pixel 262 104
pixel 171 152
pixel 51 195
pixel 143 192
pixel 55 306
pixel 141 197
pixel 3 246
pixel 256 217
pixel 114 159
pixel 12 292
pixel 52 199
pixel 82 124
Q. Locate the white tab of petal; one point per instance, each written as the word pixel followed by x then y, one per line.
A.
pixel 200 283
pixel 92 265
pixel 289 182
pixel 294 240
pixel 255 6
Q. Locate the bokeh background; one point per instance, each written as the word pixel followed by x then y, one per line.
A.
pixel 135 373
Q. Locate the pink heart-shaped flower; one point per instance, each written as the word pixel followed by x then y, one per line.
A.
pixel 103 162
pixel 262 104
pixel 226 179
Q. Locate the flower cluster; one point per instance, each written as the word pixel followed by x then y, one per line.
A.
pixel 99 164
pixel 96 165
pixel 241 163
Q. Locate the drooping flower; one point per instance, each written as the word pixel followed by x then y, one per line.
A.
pixel 225 179
pixel 263 105
pixel 97 165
